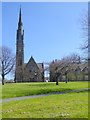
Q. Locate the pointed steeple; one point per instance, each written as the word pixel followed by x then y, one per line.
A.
pixel 20 25
pixel 20 17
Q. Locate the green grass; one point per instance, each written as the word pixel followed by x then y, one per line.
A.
pixel 0 99
pixel 71 105
pixel 26 89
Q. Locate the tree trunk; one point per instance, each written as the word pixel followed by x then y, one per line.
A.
pixel 2 79
pixel 66 78
pixel 56 80
pixel 57 75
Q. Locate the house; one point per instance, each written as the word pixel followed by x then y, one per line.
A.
pixel 72 72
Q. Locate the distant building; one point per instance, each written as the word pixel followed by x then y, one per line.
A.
pixel 26 72
pixel 74 72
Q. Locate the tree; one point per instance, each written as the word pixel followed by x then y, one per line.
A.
pixel 89 40
pixel 86 29
pixel 7 62
pixel 58 68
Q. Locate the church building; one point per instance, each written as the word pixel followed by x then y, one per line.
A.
pixel 26 72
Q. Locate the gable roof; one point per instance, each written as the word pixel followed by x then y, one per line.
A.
pixel 31 60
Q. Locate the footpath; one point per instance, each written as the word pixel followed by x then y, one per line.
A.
pixel 41 95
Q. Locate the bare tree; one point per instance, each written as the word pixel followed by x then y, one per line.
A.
pixel 63 66
pixel 86 29
pixel 89 40
pixel 7 62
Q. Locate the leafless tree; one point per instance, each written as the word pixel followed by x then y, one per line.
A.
pixel 63 66
pixel 89 40
pixel 86 29
pixel 7 62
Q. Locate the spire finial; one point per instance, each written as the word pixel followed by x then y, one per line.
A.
pixel 20 16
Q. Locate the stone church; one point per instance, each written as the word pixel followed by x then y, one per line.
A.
pixel 26 72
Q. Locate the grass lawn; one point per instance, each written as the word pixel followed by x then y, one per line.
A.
pixel 0 99
pixel 26 89
pixel 71 105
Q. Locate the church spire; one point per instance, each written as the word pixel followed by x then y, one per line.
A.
pixel 19 50
pixel 20 25
pixel 20 17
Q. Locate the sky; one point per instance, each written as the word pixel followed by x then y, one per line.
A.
pixel 52 30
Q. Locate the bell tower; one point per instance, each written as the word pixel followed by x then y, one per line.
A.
pixel 19 51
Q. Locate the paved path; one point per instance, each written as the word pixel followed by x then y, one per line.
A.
pixel 41 95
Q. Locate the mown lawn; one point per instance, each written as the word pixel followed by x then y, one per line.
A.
pixel 71 105
pixel 26 89
pixel 0 99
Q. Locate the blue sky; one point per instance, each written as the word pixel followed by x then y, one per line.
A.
pixel 51 30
